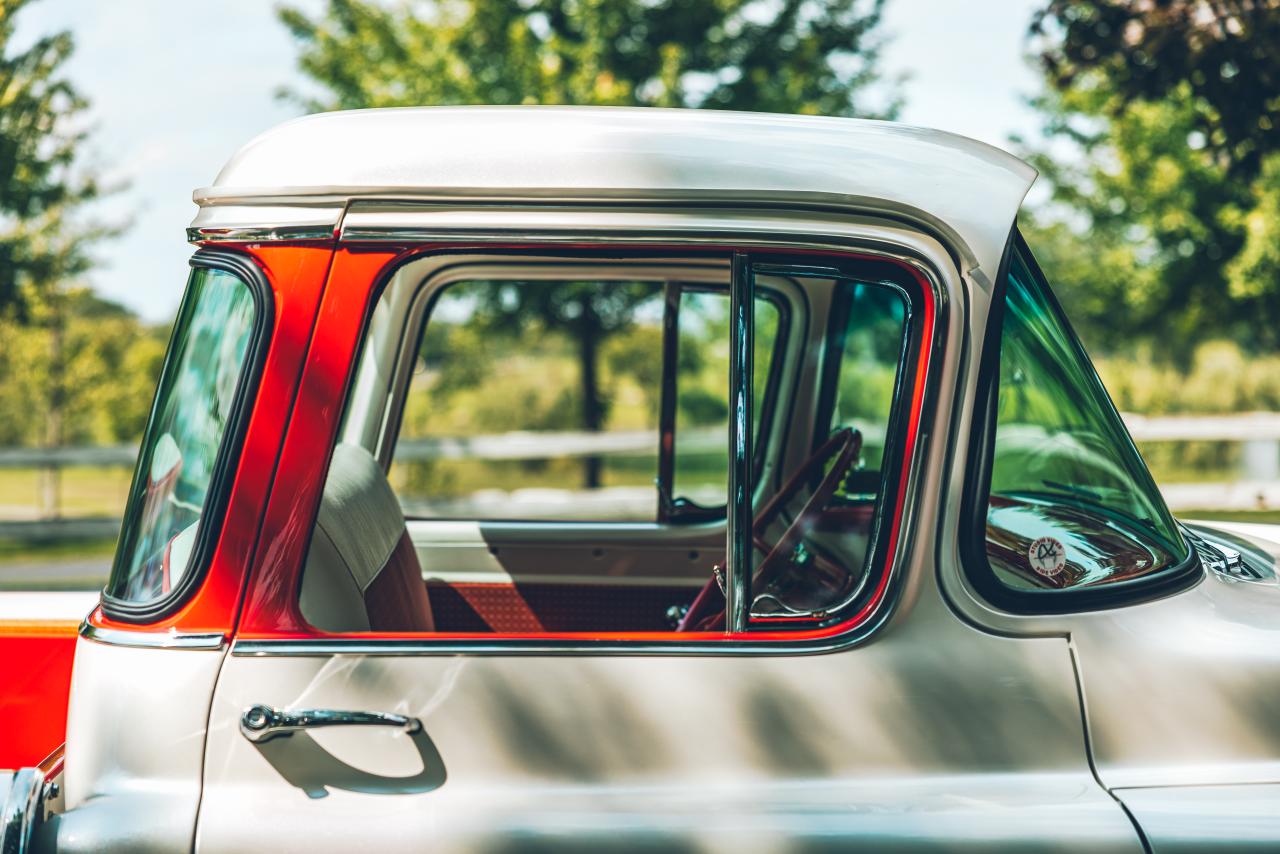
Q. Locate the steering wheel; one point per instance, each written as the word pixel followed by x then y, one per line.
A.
pixel 706 612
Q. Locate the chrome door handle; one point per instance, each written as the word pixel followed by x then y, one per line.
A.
pixel 260 723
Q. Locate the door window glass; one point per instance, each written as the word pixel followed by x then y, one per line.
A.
pixel 183 440
pixel 1072 503
pixel 815 538
pixel 563 444
pixel 702 396
pixel 540 400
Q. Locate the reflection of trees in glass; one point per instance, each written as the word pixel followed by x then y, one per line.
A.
pixel 1059 441
pixel 872 349
pixel 193 403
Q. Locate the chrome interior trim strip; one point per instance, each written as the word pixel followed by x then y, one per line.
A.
pixel 739 509
pixel 259 233
pixel 152 640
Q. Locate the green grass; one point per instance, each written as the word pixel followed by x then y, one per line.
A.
pixel 1261 517
pixel 85 491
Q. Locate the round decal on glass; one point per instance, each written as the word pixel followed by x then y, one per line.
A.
pixel 1047 556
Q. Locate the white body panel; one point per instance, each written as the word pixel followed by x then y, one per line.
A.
pixel 934 735
pixel 135 747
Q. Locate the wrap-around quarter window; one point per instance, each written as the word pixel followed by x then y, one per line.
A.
pixel 180 450
pixel 1071 503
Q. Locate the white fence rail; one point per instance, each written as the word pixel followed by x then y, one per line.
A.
pixel 1258 486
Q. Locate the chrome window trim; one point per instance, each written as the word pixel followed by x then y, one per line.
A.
pixel 739 511
pixel 890 241
pixel 389 205
pixel 375 647
pixel 152 640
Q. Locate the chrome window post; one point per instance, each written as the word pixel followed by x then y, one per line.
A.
pixel 738 512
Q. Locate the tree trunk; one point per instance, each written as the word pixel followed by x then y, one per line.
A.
pixel 589 336
pixel 51 477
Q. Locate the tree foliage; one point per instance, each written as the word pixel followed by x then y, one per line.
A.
pixel 41 244
pixel 1220 57
pixel 796 56
pixel 1165 218
pixel 87 375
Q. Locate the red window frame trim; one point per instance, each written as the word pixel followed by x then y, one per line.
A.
pixel 271 612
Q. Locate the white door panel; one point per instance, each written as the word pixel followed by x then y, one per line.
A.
pixel 933 735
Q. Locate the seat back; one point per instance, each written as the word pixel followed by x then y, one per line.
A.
pixel 362 573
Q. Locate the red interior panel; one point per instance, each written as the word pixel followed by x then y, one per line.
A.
pixel 533 608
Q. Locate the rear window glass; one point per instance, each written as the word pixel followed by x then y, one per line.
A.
pixel 184 436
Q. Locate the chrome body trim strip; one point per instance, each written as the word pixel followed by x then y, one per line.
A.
pixel 507 647
pixel 259 233
pixel 152 640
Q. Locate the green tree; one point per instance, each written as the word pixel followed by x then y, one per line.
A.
pixel 795 56
pixel 1221 58
pixel 76 370
pixel 40 188
pixel 1165 215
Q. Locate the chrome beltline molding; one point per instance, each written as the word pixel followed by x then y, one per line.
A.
pixel 152 640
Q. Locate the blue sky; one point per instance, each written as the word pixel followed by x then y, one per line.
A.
pixel 177 86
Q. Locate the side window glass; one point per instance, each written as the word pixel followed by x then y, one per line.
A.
pixel 1072 503
pixel 182 442
pixel 820 527
pixel 534 400
pixel 868 326
pixel 540 401
pixel 553 398
pixel 702 397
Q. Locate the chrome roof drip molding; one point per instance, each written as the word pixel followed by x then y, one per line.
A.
pixel 152 640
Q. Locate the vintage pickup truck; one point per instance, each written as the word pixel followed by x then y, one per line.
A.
pixel 567 479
